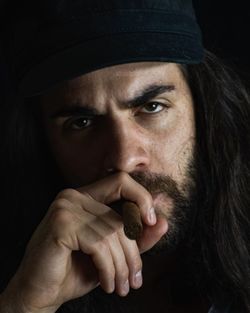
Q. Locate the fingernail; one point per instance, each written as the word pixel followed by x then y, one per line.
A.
pixel 138 279
pixel 152 216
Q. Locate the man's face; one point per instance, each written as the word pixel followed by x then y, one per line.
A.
pixel 137 118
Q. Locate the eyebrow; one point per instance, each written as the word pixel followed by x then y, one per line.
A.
pixel 144 96
pixel 75 110
pixel 148 94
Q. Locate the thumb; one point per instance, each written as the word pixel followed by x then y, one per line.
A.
pixel 152 234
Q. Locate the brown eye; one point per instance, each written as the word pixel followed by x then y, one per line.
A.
pixel 78 123
pixel 153 107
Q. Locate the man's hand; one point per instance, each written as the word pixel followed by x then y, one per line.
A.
pixel 81 243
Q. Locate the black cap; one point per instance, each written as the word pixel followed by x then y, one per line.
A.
pixel 57 40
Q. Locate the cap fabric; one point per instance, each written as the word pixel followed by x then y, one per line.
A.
pixel 56 40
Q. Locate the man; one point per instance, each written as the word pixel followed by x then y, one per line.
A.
pixel 114 101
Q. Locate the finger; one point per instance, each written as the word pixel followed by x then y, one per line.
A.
pixel 79 203
pixel 100 234
pixel 107 227
pixel 106 271
pixel 152 234
pixel 124 252
pixel 97 247
pixel 122 186
pixel 133 260
pixel 120 264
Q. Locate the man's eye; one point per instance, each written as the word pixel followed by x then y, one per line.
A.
pixel 78 123
pixel 153 107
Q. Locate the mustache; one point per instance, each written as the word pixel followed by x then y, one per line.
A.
pixel 158 183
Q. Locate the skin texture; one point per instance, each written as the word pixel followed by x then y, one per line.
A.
pixel 81 243
pixel 125 140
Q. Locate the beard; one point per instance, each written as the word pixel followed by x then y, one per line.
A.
pixel 180 218
pixel 181 215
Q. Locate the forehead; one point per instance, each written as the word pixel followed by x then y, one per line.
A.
pixel 121 81
pixel 127 73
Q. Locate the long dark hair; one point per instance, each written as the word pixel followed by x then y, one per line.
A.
pixel 220 239
pixel 222 229
pixel 29 177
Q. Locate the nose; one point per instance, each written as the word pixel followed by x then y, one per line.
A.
pixel 127 148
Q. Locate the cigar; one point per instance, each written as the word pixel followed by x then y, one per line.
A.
pixel 132 220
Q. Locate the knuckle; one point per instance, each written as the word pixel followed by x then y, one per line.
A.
pixel 123 273
pixel 68 193
pixel 147 197
pixel 122 177
pixel 101 247
pixel 118 228
pixel 61 215
pixel 121 180
pixel 61 203
pixel 110 236
pixel 110 272
pixel 137 264
pixel 107 269
pixel 85 194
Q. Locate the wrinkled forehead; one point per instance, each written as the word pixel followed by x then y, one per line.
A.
pixel 120 80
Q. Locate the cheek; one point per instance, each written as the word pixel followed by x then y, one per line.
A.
pixel 79 162
pixel 174 149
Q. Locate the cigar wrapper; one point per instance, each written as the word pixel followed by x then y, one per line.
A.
pixel 132 220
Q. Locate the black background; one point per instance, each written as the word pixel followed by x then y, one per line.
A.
pixel 225 26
